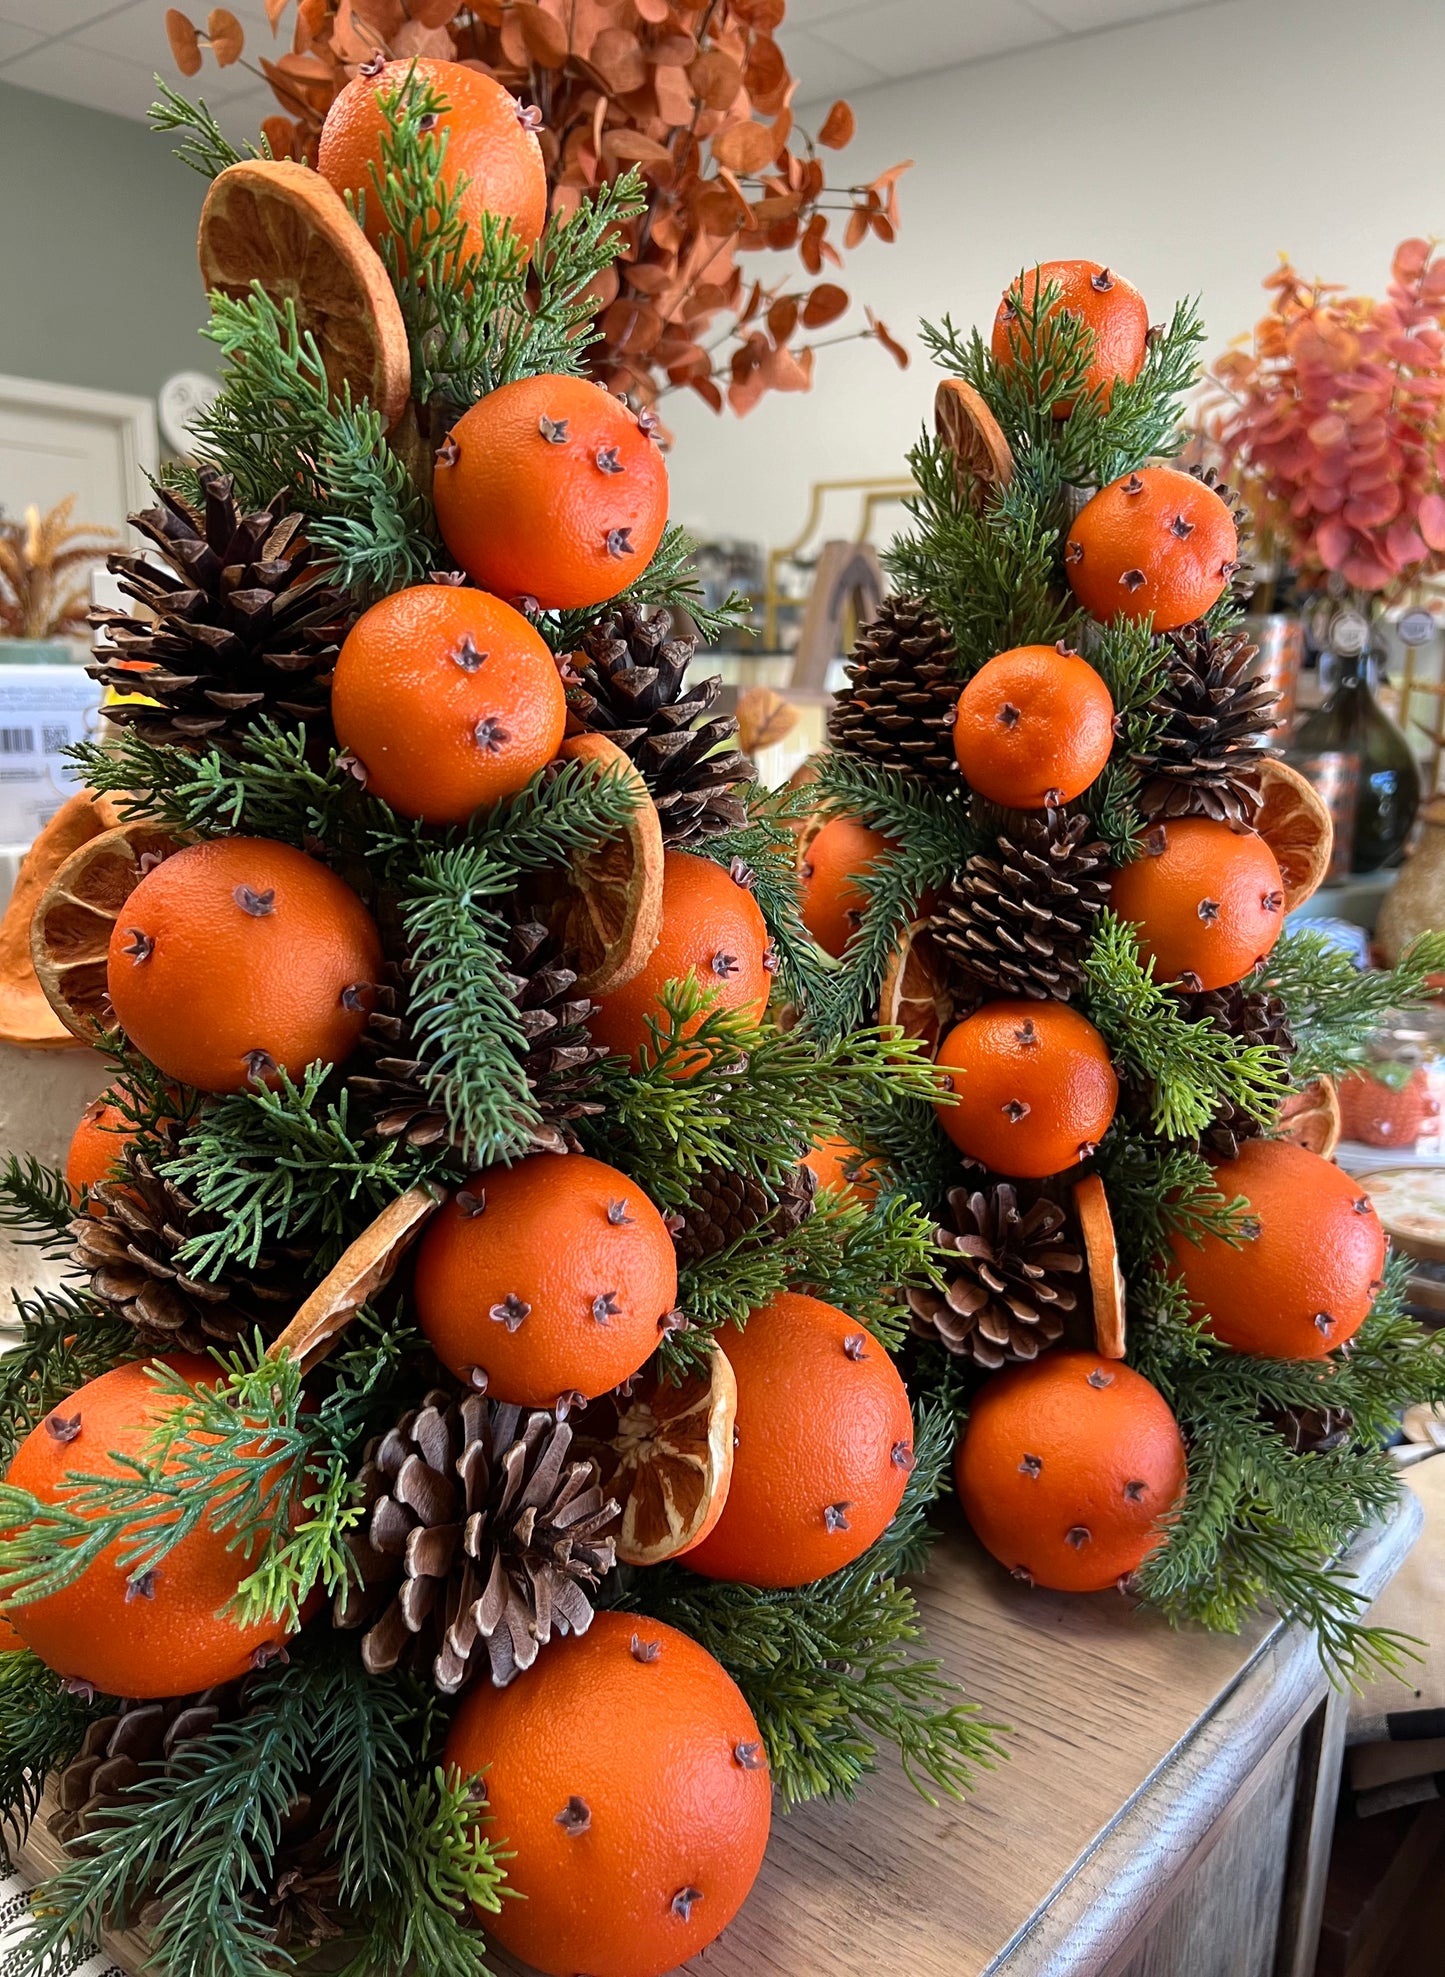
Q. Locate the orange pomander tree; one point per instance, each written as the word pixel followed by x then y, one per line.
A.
pixel 697 95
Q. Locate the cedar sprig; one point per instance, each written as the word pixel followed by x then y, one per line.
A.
pixel 42 1726
pixel 204 145
pixel 827 1668
pixel 1160 1188
pixel 423 1917
pixel 670 581
pixel 1335 1008
pixel 1187 1069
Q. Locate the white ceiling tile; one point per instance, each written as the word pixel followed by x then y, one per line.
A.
pixel 907 37
pixel 15 40
pixel 84 75
pixel 823 70
pixel 1076 16
pixel 136 33
pixel 55 17
pixel 240 119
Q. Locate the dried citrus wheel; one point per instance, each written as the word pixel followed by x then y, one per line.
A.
pixel 26 1017
pixel 609 909
pixel 974 437
pixel 1295 823
pixel 70 932
pixel 272 221
pixel 1311 1118
pixel 665 1452
pixel 1106 1279
pixel 915 996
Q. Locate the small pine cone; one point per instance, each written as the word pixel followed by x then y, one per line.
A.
pixel 109 1761
pixel 1004 1298
pixel 899 707
pixel 633 690
pixel 1215 717
pixel 1311 1430
pixel 1017 920
pixel 480 1540
pixel 724 1206
pixel 236 628
pixel 1253 1016
pixel 131 1254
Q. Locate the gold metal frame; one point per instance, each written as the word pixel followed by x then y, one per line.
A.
pixel 876 494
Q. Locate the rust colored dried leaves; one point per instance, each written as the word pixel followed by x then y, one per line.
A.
pixel 698 97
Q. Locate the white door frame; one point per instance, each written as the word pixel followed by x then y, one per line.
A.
pixel 132 419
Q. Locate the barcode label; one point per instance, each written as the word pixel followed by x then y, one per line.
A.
pixel 54 740
pixel 17 741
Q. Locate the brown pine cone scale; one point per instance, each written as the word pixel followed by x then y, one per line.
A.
pixel 1004 1298
pixel 898 709
pixel 1018 919
pixel 1214 716
pixel 725 1205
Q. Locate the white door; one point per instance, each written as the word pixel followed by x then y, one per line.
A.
pixel 60 439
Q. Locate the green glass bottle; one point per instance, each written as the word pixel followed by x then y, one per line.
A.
pixel 1352 722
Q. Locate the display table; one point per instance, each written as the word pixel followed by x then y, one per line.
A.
pixel 1166 1810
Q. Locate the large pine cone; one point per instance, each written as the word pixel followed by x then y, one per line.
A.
pixel 479 1541
pixel 243 627
pixel 1252 1016
pixel 1018 919
pixel 131 1254
pixel 899 707
pixel 725 1205
pixel 633 690
pixel 1005 1297
pixel 1214 721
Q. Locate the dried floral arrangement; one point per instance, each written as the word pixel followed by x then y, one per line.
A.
pixel 41 595
pixel 1063 854
pixel 1331 419
pixel 696 96
pixel 376 1545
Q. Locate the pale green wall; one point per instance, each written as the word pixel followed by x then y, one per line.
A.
pixel 98 281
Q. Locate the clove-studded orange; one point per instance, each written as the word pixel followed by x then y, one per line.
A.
pixel 630 1781
pixel 837 1163
pixel 1208 901
pixel 1112 308
pixel 824 1447
pixel 239 958
pixel 713 931
pixel 491 161
pixel 1157 544
pixel 1302 1280
pixel 833 861
pixel 554 1277
pixel 448 700
pixel 1066 1467
pixel 164 1632
pixel 96 1146
pixel 551 489
pixel 1035 1088
pixel 1035 726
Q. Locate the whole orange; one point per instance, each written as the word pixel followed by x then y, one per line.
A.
pixel 550 488
pixel 1036 1090
pixel 834 860
pixel 1208 901
pixel 10 1641
pixel 235 959
pixel 448 699
pixel 489 143
pixel 839 1164
pixel 1158 544
pixel 162 1636
pixel 1034 727
pixel 627 1775
pixel 712 930
pixel 96 1147
pixel 551 1277
pixel 1066 1466
pixel 1303 1279
pixel 823 1447
pixel 1112 307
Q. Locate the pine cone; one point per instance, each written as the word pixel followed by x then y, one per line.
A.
pixel 632 690
pixel 724 1206
pixel 560 1060
pixel 244 628
pixel 1311 1430
pixel 1017 920
pixel 899 709
pixel 491 1532
pixel 1004 1299
pixel 130 1252
pixel 1215 716
pixel 1252 1016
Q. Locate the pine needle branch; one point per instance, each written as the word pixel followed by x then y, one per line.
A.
pixel 768 847
pixel 42 1726
pixel 423 1918
pixel 66 1338
pixel 35 1204
pixel 670 580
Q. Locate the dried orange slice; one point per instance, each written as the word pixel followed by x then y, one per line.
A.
pixel 608 909
pixel 915 995
pixel 1295 823
pixel 1311 1117
pixel 26 1017
pixel 70 931
pixel 278 223
pixel 982 460
pixel 1101 1252
pixel 666 1454
pixel 362 1270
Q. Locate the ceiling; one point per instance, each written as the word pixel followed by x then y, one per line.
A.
pixel 103 53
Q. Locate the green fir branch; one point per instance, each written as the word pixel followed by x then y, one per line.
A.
pixel 36 1205
pixel 1131 662
pixel 423 1918
pixel 671 581
pixel 1143 414
pixel 66 1339
pixel 42 1726
pixel 1335 1008
pixel 767 846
